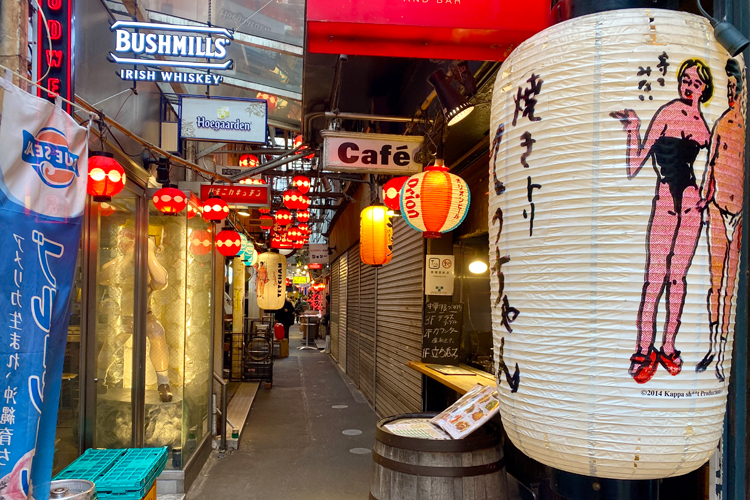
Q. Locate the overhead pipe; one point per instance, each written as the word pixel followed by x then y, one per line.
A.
pixel 283 160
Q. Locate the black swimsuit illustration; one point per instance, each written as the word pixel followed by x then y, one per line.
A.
pixel 674 138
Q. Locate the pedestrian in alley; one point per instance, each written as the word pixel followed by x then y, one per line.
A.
pixel 285 316
pixel 300 307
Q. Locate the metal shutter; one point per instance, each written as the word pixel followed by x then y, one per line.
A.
pixel 334 305
pixel 367 295
pixel 353 318
pixel 399 324
pixel 343 272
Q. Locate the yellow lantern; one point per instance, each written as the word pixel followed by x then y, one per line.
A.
pixel 375 236
pixel 270 285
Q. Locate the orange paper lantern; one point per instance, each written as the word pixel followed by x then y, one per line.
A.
pixel 375 236
pixel 249 161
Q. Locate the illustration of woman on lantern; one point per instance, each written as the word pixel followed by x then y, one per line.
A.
pixel 674 138
pixel 118 272
pixel 722 190
pixel 261 279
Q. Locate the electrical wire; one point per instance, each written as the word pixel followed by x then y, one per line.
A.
pixel 49 39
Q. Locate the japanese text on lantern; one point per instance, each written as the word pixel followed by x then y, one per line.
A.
pixel 525 101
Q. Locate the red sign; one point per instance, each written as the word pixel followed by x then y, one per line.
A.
pixel 477 30
pixel 252 195
pixel 55 61
pixel 315 265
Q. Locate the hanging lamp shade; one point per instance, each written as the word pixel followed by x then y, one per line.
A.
pixel 375 236
pixel 455 106
pixel 301 183
pixel 105 209
pixel 228 243
pixel 303 215
pixel 214 208
pixel 249 161
pixel 270 283
pixel 266 221
pixel 169 200
pixel 435 201
pixel 392 192
pixel 293 199
pixel 199 242
pixel 106 176
pixel 612 328
pixel 283 217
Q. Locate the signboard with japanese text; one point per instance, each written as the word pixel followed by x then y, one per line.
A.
pixel 371 153
pixel 441 336
pixel 616 180
pixel 55 63
pixel 223 119
pixel 438 277
pixel 42 198
pixel 251 195
pixel 318 253
pixel 299 280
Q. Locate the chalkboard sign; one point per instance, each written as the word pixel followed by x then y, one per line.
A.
pixel 441 336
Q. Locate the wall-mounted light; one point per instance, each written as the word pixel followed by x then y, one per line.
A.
pixel 455 106
pixel 243 214
pixel 478 267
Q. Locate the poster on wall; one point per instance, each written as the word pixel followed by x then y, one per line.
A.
pixel 223 119
pixel 42 197
pixel 438 278
pixel 616 244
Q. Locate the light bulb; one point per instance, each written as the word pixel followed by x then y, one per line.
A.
pixel 477 267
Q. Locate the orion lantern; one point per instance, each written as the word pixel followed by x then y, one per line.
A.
pixel 435 201
pixel 375 236
pixel 214 208
pixel 301 183
pixel 597 246
pixel 283 217
pixel 106 176
pixel 228 242
pixel 169 200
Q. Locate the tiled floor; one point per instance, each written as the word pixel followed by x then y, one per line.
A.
pixel 293 446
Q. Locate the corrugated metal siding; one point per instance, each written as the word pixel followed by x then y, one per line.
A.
pixel 353 320
pixel 399 324
pixel 367 306
pixel 343 272
pixel 335 305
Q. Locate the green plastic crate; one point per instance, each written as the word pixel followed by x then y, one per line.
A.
pixel 134 473
pixel 91 465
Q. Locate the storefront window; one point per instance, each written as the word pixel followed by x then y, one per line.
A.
pixel 115 310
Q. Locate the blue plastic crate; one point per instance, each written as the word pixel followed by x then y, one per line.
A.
pixel 91 465
pixel 133 474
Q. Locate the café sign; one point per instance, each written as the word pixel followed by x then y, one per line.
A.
pixel 371 153
pixel 176 46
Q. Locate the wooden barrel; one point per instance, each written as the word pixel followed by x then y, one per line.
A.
pixel 407 468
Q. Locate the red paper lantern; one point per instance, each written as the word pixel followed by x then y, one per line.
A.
pixel 199 242
pixel 392 192
pixel 304 228
pixel 298 244
pixel 169 200
pixel 258 182
pixel 214 208
pixel 249 161
pixel 105 209
pixel 106 176
pixel 303 215
pixel 304 202
pixel 279 331
pixel 193 206
pixel 295 234
pixel 272 100
pixel 298 143
pixel 266 221
pixel 293 199
pixel 283 217
pixel 301 183
pixel 228 243
pixel 264 210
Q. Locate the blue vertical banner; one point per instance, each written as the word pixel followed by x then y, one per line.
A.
pixel 43 174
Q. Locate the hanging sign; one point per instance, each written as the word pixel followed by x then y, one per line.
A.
pixel 299 280
pixel 318 253
pixel 315 265
pixel 438 278
pixel 251 195
pixel 441 337
pixel 54 63
pixel 223 120
pixel 174 47
pixel 615 245
pixel 371 153
pixel 42 198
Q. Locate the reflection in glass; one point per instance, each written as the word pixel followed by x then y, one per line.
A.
pixel 115 297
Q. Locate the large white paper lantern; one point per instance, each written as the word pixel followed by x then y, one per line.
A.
pixel 604 221
pixel 270 283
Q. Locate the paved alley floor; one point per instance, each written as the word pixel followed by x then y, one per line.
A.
pixel 294 445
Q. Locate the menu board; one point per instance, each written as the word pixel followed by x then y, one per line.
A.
pixel 441 336
pixel 470 412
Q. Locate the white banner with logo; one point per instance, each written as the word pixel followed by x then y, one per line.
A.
pixel 225 120
pixel 371 153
